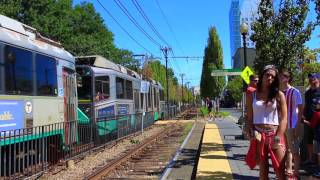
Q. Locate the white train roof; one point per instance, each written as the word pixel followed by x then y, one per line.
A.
pixel 101 62
pixel 21 35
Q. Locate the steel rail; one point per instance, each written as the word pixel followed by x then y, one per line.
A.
pixel 105 170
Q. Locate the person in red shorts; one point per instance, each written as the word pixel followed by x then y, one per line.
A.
pixel 267 122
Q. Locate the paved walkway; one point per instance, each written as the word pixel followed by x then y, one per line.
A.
pixel 213 160
pixel 223 155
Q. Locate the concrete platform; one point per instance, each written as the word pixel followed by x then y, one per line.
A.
pixel 184 163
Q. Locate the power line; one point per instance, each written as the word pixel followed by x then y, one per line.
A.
pixel 114 19
pixel 176 64
pixel 133 20
pixel 171 30
pixel 145 17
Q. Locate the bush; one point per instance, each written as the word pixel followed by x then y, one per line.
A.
pixel 204 111
pixel 223 114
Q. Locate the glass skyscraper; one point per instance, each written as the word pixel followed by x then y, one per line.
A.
pixel 241 11
pixel 248 14
pixel 234 25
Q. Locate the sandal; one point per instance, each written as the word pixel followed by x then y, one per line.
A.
pixel 290 175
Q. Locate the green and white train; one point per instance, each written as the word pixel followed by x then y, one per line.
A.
pixel 41 87
pixel 107 90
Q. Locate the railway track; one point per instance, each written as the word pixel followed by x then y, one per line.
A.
pixel 147 160
pixel 188 114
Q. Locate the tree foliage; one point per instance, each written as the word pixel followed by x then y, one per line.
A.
pixel 157 71
pixel 280 35
pixel 235 88
pixel 213 59
pixel 80 29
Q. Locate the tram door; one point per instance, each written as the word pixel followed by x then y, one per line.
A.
pixel 70 105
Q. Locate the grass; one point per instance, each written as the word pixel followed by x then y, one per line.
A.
pixel 204 111
pixel 223 114
pixel 186 130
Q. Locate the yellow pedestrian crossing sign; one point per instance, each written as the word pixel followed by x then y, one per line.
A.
pixel 246 73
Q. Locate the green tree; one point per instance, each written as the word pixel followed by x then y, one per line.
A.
pixel 280 35
pixel 156 71
pixel 213 59
pixel 235 88
pixel 80 29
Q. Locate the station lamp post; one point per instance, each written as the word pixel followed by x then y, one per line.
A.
pixel 244 32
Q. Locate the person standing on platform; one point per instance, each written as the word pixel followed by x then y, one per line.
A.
pixel 267 118
pixel 253 84
pixel 210 106
pixel 294 107
pixel 252 87
pixel 311 96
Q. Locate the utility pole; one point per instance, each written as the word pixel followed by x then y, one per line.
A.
pixel 182 88
pixel 165 52
pixel 193 98
pixel 187 87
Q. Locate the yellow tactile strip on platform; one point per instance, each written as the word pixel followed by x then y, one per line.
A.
pixel 213 162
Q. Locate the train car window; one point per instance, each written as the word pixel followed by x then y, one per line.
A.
pixel 155 98
pixel 84 87
pixel 129 90
pixel 84 83
pixel 1 69
pixel 136 100
pixel 102 84
pixel 18 71
pixel 161 95
pixel 46 76
pixel 120 88
pixel 142 100
pixel 149 97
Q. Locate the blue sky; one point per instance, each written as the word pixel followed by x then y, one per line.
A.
pixel 189 20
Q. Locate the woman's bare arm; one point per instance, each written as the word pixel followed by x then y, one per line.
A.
pixel 249 99
pixel 283 120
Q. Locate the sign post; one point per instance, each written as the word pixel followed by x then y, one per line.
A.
pixel 226 72
pixel 144 88
pixel 246 73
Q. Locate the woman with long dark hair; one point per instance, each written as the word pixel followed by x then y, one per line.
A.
pixel 267 120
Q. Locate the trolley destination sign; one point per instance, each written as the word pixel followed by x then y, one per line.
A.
pixel 226 72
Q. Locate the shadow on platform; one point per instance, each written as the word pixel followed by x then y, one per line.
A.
pixel 189 158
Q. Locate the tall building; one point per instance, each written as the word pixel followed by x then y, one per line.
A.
pixel 234 25
pixel 248 14
pixel 244 11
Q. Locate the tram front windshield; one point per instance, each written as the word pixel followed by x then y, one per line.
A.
pixel 84 84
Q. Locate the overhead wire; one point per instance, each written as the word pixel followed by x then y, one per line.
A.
pixel 170 27
pixel 145 17
pixel 176 64
pixel 134 21
pixel 117 22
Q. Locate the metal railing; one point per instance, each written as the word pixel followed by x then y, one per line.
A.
pixel 173 111
pixel 25 152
